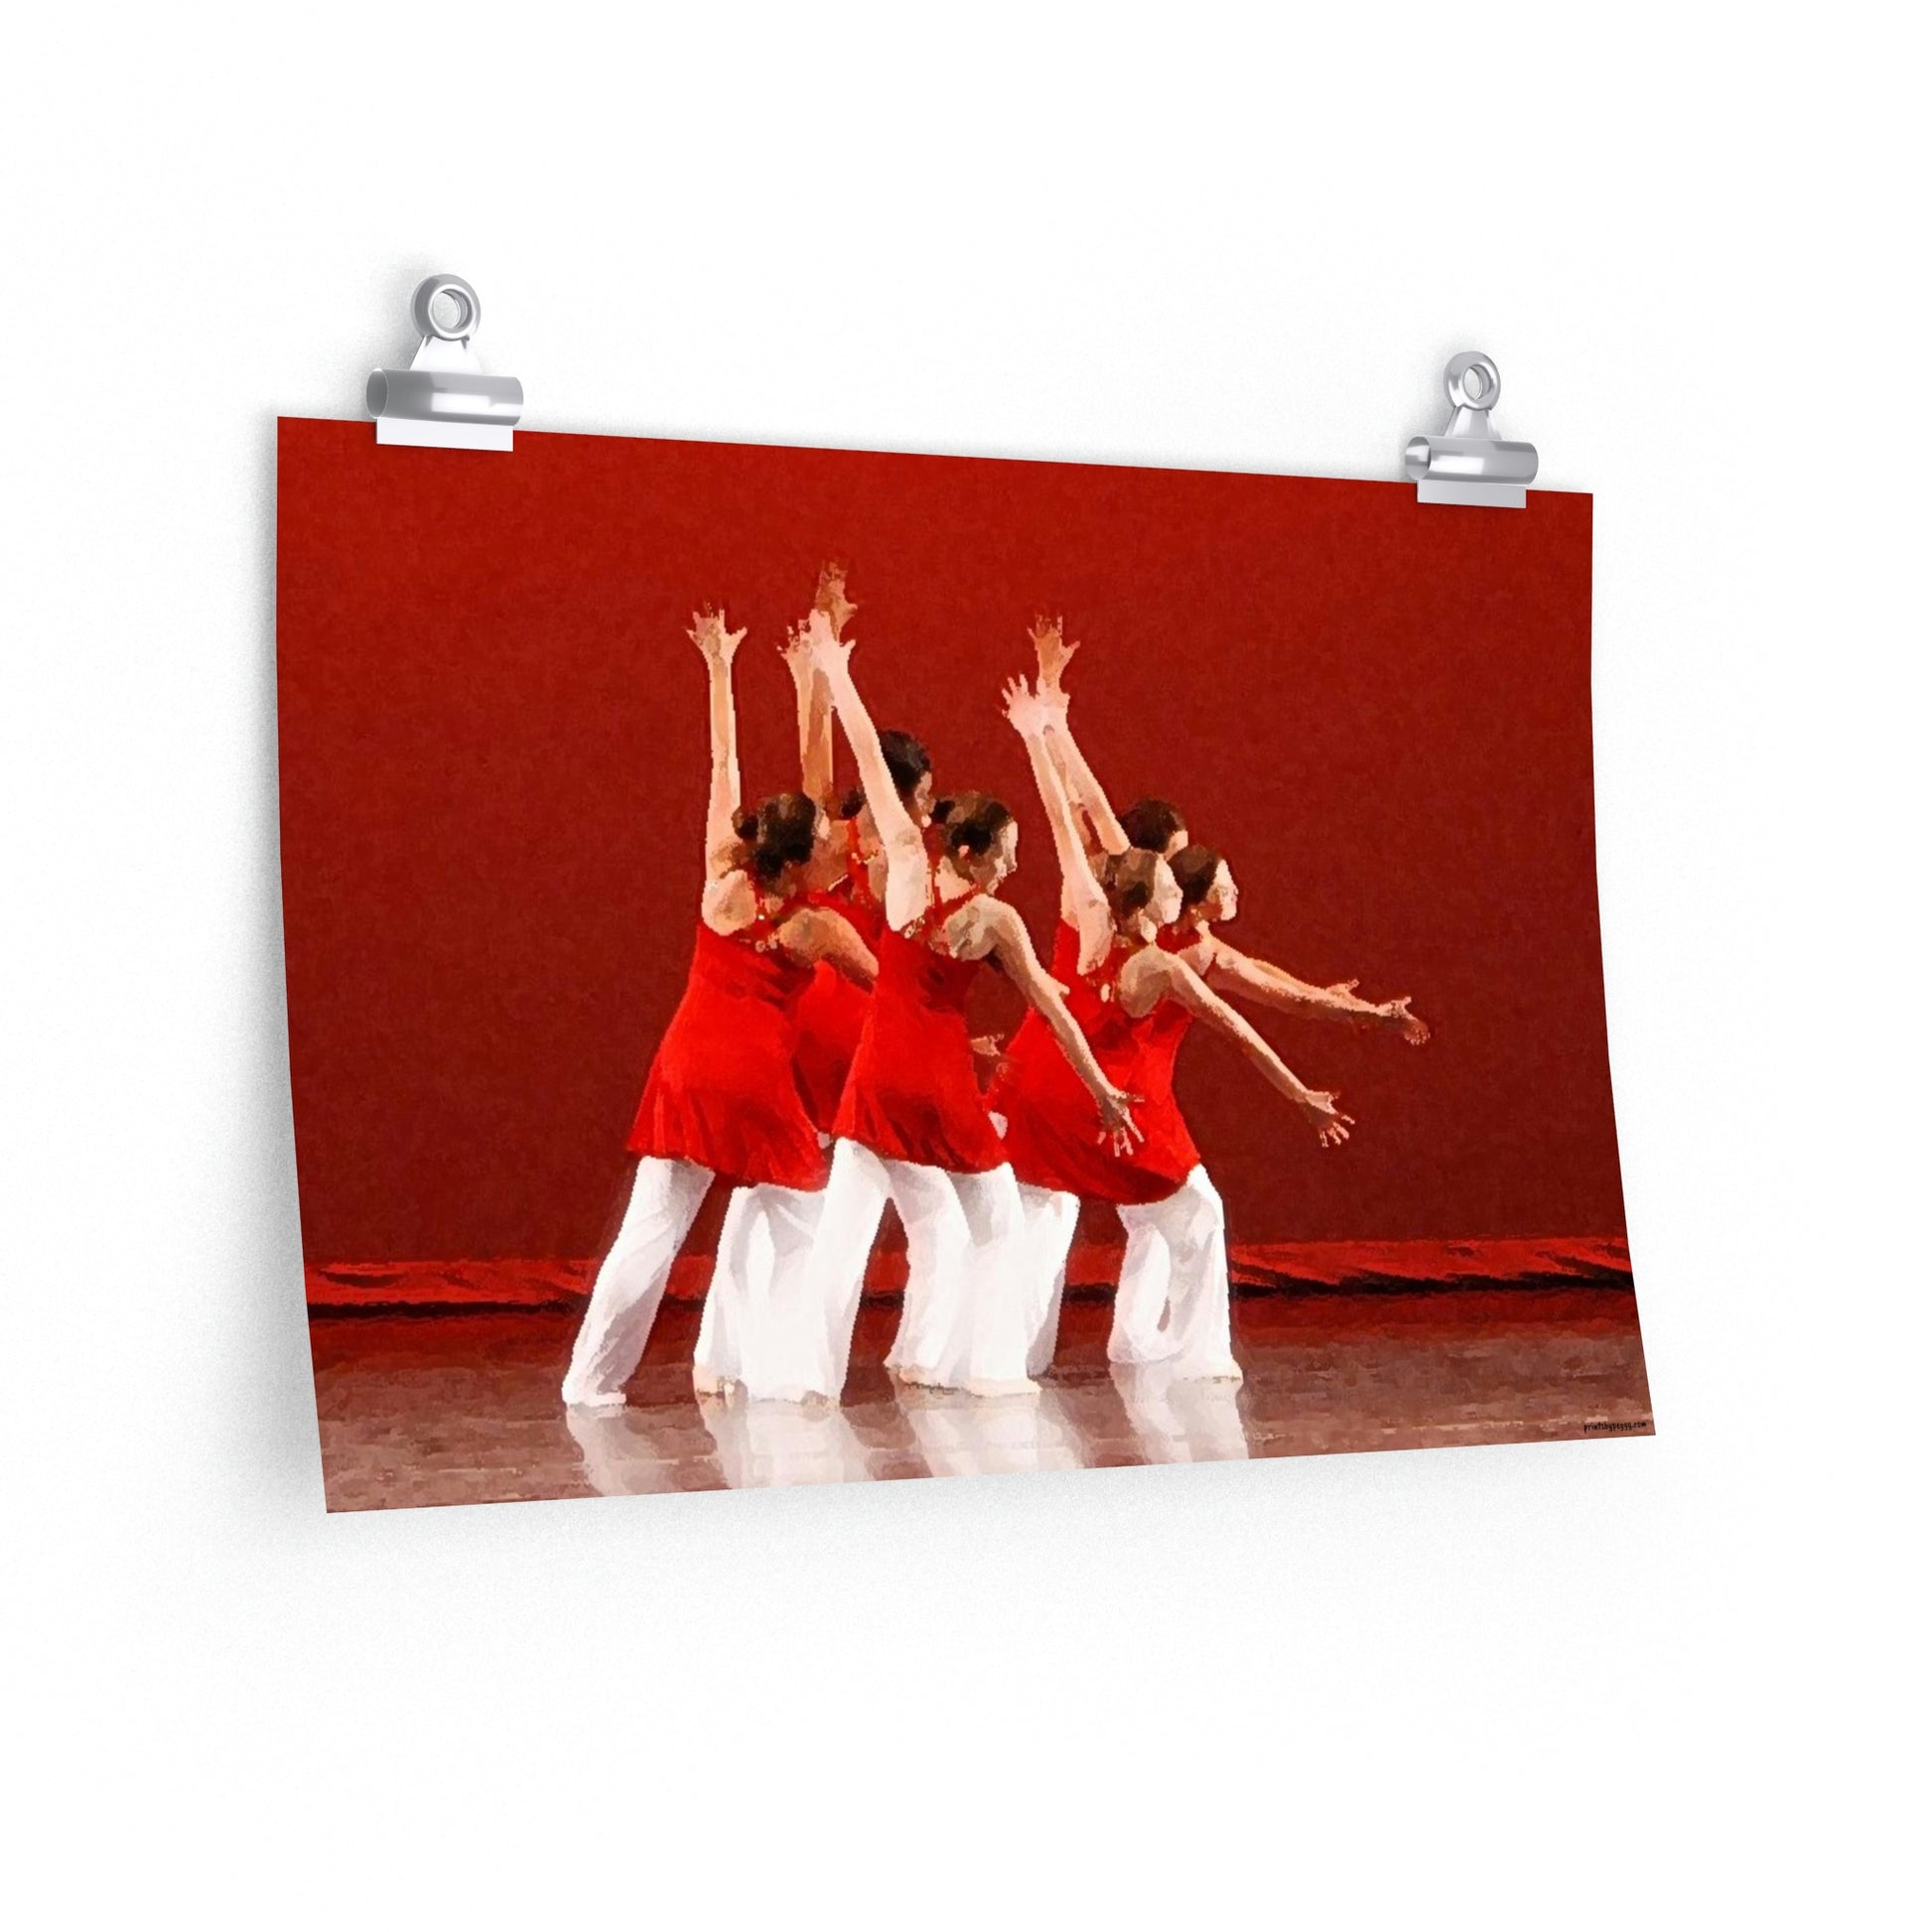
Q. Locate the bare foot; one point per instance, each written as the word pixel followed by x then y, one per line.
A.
pixel 1026 1385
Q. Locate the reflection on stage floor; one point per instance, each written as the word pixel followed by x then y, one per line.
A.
pixel 459 1408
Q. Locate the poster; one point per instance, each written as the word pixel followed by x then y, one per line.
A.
pixel 1294 1136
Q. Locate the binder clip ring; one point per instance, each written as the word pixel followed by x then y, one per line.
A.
pixel 1468 464
pixel 444 400
pixel 461 313
pixel 1473 381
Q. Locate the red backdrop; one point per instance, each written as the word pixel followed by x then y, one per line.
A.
pixel 494 766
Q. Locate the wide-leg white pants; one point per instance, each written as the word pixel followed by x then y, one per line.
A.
pixel 665 1196
pixel 1047 1219
pixel 964 1325
pixel 1139 1333
pixel 748 1335
pixel 1177 1252
pixel 718 1358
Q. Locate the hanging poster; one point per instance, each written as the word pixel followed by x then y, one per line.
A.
pixel 810 966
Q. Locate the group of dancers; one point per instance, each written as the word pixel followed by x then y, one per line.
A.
pixel 821 1062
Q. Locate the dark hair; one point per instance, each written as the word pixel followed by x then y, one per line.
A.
pixel 1128 879
pixel 780 833
pixel 1194 866
pixel 852 804
pixel 906 760
pixel 1150 824
pixel 971 819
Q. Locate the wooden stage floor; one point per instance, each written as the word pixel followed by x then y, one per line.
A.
pixel 452 1407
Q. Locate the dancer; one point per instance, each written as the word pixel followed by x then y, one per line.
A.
pixel 911 1127
pixel 832 1011
pixel 1133 1005
pixel 832 1014
pixel 721 1097
pixel 1153 825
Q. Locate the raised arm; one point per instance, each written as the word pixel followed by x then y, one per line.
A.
pixel 1181 983
pixel 718 646
pixel 1084 905
pixel 1006 933
pixel 909 875
pixel 1230 971
pixel 815 717
pixel 814 700
pixel 1053 654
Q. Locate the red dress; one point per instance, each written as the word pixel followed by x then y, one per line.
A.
pixel 1053 1134
pixel 722 1091
pixel 912 1094
pixel 832 1015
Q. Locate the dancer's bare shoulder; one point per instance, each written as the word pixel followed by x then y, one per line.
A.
pixel 983 927
pixel 730 903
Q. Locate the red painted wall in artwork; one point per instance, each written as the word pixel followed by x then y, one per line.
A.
pixel 492 764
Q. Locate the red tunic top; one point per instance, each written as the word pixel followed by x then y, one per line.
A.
pixel 1054 1133
pixel 832 1015
pixel 722 1091
pixel 912 1094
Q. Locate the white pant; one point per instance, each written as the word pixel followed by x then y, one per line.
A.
pixel 1140 1301
pixel 1176 1263
pixel 1047 1219
pixel 965 1321
pixel 743 1336
pixel 719 1346
pixel 665 1196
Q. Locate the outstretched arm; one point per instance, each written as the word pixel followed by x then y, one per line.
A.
pixel 1053 654
pixel 908 877
pixel 1011 946
pixel 1183 984
pixel 718 648
pixel 1270 986
pixel 1084 905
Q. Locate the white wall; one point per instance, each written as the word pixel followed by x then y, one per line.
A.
pixel 1604 1682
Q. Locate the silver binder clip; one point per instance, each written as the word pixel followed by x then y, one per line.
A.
pixel 443 400
pixel 1468 465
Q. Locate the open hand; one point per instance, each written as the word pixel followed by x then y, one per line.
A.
pixel 1024 709
pixel 1118 1130
pixel 1051 649
pixel 825 650
pixel 1331 1124
pixel 1396 1013
pixel 831 597
pixel 796 650
pixel 708 632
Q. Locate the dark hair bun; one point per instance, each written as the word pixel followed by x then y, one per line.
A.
pixel 1128 879
pixel 1150 824
pixel 781 832
pixel 972 821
